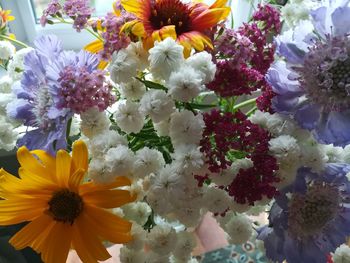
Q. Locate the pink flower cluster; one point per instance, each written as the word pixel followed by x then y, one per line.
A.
pixel 82 89
pixel 53 9
pixel 114 40
pixel 244 56
pixel 270 18
pixel 228 134
pixel 79 11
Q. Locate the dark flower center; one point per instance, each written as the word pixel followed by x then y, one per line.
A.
pixel 65 206
pixel 170 12
pixel 310 213
pixel 325 75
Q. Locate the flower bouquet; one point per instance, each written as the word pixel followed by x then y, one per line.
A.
pixel 174 114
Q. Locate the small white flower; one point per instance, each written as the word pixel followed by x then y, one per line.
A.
pixel 189 216
pixel 228 175
pixel 133 90
pixel 239 208
pixel 260 118
pixel 162 127
pixel 189 157
pixel 293 13
pixel 162 239
pixel 99 172
pixel 185 245
pixel 186 128
pixel 158 202
pixel 131 256
pixel 101 143
pixel 185 84
pixel 166 56
pixel 15 66
pixel 120 160
pixel 147 161
pixel 93 122
pixel 8 135
pixel 157 104
pixel 334 154
pixel 287 172
pixel 123 66
pixel 138 212
pixel 6 84
pixel 217 200
pixel 342 254
pixel 313 156
pixel 128 117
pixel 139 237
pixel 239 228
pixel 202 62
pixel 140 54
pixel 7 50
pixel 169 181
pixel 278 125
pixel 285 148
pixel 137 189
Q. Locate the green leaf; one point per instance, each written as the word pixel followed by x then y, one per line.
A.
pixel 152 85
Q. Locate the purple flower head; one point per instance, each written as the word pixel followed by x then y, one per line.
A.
pixel 35 104
pixel 55 85
pixel 310 218
pixel 79 11
pixel 53 9
pixel 313 85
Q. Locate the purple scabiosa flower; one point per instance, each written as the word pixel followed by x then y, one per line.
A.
pixel 55 85
pixel 310 218
pixel 35 104
pixel 79 11
pixel 313 85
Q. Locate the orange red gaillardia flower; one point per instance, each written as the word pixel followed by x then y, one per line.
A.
pixel 185 22
pixel 63 211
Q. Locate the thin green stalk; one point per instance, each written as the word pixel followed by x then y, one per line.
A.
pixel 61 20
pixel 244 103
pixel 20 43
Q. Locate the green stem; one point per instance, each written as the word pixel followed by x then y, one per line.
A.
pixel 14 41
pixel 61 20
pixel 244 103
pixel 251 110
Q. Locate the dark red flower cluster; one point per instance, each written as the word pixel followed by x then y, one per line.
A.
pixel 270 18
pixel 228 133
pixel 246 55
pixel 230 81
pixel 263 102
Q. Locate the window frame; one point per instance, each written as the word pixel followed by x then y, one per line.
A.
pixel 27 29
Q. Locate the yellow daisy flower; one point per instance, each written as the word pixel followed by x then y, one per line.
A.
pixel 63 211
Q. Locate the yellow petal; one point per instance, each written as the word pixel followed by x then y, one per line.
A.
pixel 209 18
pixel 32 181
pixel 167 31
pixel 108 225
pixel 75 180
pixel 94 47
pixel 47 160
pixel 132 6
pixel 218 4
pixel 30 163
pixel 108 198
pixel 85 234
pixel 63 164
pixel 26 236
pixel 91 187
pixel 57 243
pixel 138 29
pixel 21 209
pixel 102 65
pixel 80 156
